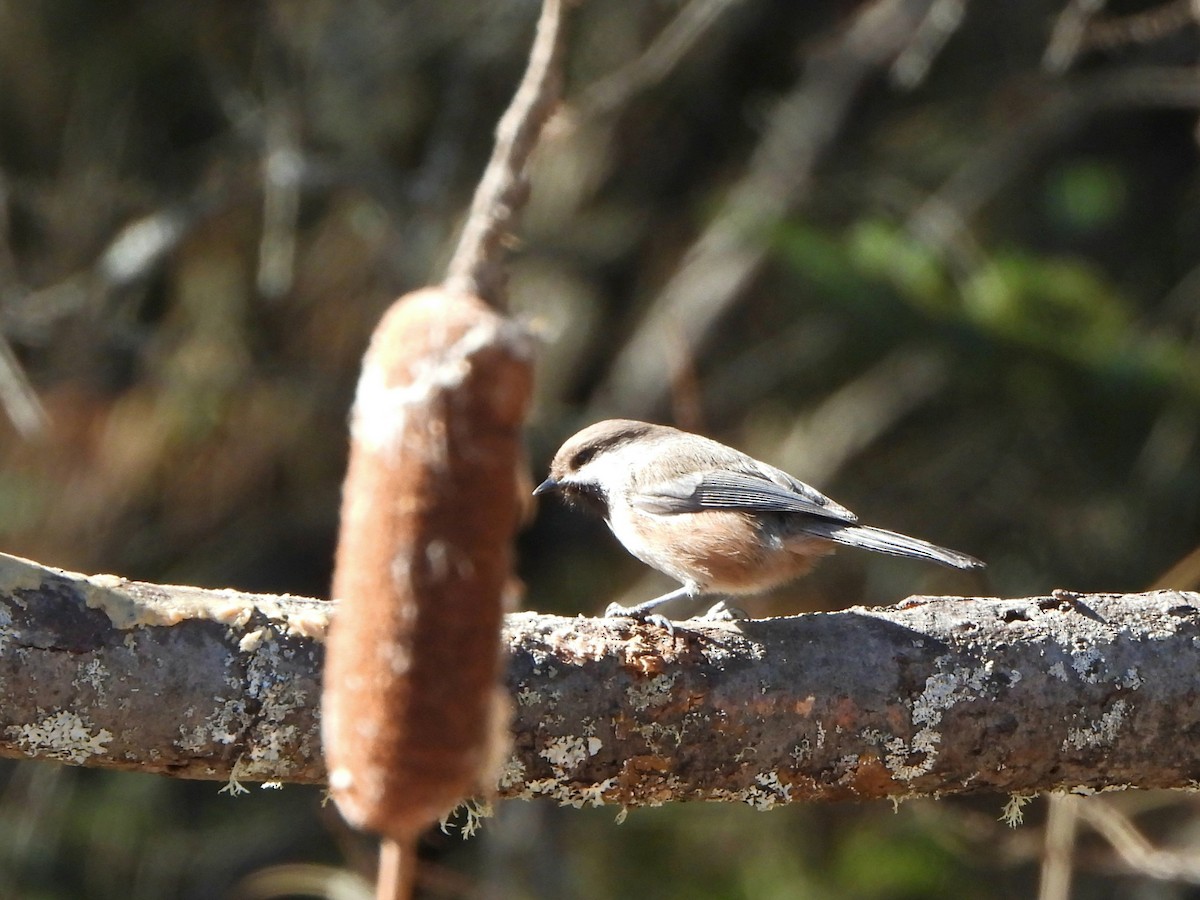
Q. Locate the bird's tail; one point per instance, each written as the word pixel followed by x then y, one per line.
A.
pixel 890 542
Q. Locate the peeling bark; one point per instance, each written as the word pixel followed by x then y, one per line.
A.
pixel 940 695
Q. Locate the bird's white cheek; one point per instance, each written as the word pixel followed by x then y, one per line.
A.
pixel 608 469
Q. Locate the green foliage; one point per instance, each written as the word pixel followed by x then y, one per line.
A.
pixel 881 861
pixel 1065 308
pixel 1086 195
pixel 1062 306
pixel 884 253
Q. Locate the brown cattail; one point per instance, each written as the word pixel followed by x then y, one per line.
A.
pixel 424 560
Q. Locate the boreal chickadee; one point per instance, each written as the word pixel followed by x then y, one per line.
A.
pixel 716 520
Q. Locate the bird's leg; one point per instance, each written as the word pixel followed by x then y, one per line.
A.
pixel 646 609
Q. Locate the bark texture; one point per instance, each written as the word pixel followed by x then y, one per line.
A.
pixel 181 681
pixel 939 695
pixel 942 695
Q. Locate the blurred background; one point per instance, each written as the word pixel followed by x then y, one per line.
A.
pixel 940 259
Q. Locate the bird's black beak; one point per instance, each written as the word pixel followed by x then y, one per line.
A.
pixel 545 487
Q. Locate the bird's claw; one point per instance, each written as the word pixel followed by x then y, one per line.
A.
pixel 722 612
pixel 617 611
pixel 661 621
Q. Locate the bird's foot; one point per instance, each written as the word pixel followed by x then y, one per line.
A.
pixel 721 611
pixel 640 614
pixel 617 611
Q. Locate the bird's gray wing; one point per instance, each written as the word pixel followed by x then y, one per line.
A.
pixel 737 490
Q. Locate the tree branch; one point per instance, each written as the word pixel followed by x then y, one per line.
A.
pixel 939 695
pixel 180 681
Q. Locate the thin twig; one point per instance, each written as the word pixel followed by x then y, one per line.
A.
pixel 851 418
pixel 19 398
pixel 143 243
pixel 1135 851
pixel 1139 28
pixel 1055 882
pixel 1067 37
pixel 939 25
pixel 672 44
pixel 477 265
pixel 282 168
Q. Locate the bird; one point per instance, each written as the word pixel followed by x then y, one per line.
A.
pixel 718 521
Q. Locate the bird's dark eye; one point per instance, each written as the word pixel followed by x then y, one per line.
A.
pixel 582 457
